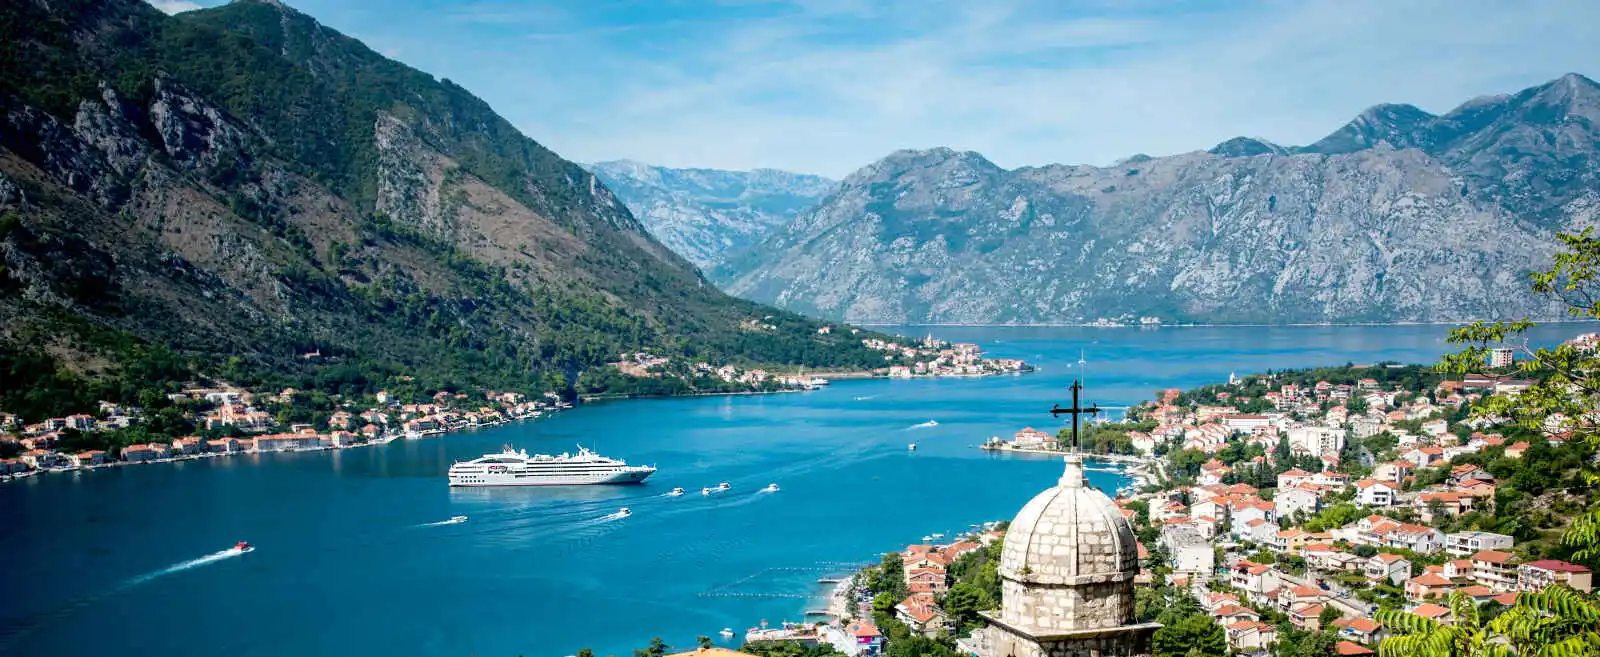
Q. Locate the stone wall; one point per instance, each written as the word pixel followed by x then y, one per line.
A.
pixel 1067 608
pixel 1132 644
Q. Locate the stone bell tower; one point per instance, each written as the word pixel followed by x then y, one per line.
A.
pixel 1067 579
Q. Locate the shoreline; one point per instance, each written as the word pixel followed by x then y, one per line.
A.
pixel 385 439
pixel 847 376
pixel 1562 320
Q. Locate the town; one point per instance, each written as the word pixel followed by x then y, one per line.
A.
pixel 227 420
pixel 1278 514
pixel 240 422
pixel 904 359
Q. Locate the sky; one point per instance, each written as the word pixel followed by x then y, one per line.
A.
pixel 829 86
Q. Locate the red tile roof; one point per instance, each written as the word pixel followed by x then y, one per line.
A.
pixel 1492 556
pixel 1350 649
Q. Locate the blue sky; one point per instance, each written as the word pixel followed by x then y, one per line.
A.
pixel 828 86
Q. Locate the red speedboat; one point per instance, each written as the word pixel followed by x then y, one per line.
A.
pixel 243 546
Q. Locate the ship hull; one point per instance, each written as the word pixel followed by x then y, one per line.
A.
pixel 536 478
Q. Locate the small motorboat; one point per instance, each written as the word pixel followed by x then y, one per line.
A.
pixel 927 539
pixel 724 486
pixel 456 520
pixel 705 491
pixel 912 447
pixel 726 631
pixel 938 535
pixel 771 488
pixel 624 512
pixel 242 546
pixel 675 492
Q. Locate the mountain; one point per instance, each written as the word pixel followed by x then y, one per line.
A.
pixel 1398 216
pixel 219 192
pixel 706 214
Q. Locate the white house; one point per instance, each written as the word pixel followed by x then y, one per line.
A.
pixel 1290 500
pixel 1392 567
pixel 1371 492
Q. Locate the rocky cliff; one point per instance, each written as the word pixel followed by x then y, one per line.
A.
pixel 1398 216
pixel 706 215
pixel 233 187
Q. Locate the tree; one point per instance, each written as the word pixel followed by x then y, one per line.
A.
pixel 963 603
pixel 884 603
pixel 921 646
pixel 1317 644
pixel 585 652
pixel 1196 632
pixel 704 641
pixel 1329 614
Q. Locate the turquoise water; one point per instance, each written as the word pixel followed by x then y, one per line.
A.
pixel 346 564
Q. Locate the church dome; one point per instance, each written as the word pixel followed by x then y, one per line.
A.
pixel 1069 559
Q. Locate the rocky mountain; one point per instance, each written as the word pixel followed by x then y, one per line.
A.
pixel 1398 216
pixel 706 214
pixel 222 191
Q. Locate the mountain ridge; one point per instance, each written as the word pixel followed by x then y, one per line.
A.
pixel 215 193
pixel 707 214
pixel 1352 228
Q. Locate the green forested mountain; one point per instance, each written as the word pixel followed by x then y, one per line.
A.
pixel 222 191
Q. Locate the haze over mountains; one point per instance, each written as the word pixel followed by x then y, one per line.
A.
pixel 241 185
pixel 707 214
pixel 1400 215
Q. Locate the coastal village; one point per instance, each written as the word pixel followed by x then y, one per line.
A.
pixel 235 421
pixel 904 359
pixel 241 422
pixel 1274 512
pixel 1275 507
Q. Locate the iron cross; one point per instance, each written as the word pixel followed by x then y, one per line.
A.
pixel 1076 410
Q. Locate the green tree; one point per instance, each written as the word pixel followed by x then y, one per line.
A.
pixel 884 603
pixel 1316 644
pixel 963 603
pixel 921 646
pixel 1329 614
pixel 1555 622
pixel 1194 632
pixel 704 641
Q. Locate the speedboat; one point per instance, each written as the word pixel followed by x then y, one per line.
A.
pixel 675 492
pixel 724 486
pixel 912 447
pixel 938 535
pixel 771 488
pixel 624 512
pixel 726 631
pixel 457 519
pixel 705 491
pixel 927 539
pixel 242 546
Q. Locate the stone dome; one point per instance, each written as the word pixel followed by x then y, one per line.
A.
pixel 1069 559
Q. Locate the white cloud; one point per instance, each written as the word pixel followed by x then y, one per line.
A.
pixel 1027 88
pixel 174 6
pixel 827 86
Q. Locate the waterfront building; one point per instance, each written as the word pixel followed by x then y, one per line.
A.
pixel 1067 574
pixel 1500 357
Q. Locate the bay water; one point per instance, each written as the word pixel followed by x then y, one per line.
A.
pixel 353 558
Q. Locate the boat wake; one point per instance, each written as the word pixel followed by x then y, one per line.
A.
pixel 865 397
pixel 924 425
pixel 186 565
pixel 14 631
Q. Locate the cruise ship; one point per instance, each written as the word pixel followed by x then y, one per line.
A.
pixel 516 468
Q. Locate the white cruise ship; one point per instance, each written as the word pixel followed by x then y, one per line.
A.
pixel 516 468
